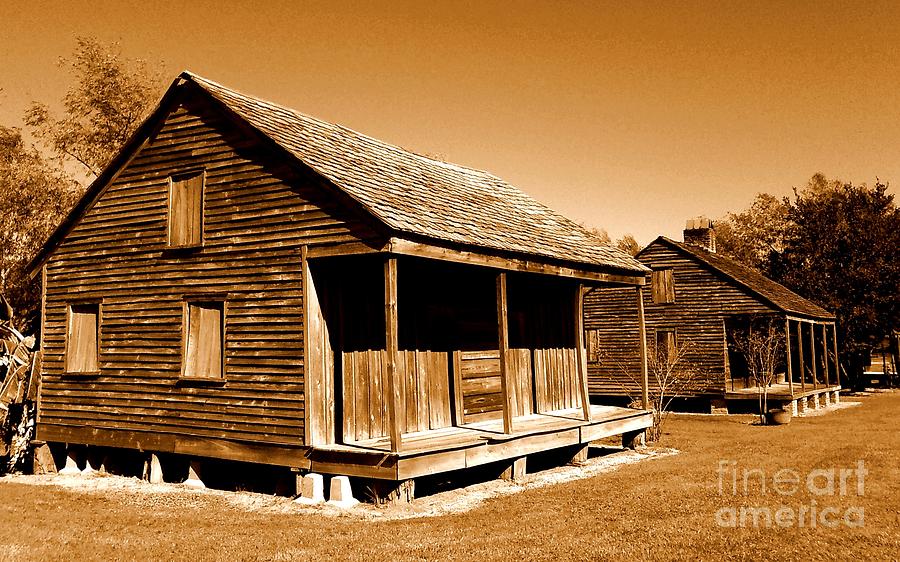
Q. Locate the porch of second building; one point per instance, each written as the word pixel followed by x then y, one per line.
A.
pixel 783 394
pixel 807 359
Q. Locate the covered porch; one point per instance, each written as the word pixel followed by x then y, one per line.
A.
pixel 798 400
pixel 418 366
pixel 807 372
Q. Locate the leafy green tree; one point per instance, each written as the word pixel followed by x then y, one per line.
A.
pixel 34 197
pixel 108 100
pixel 753 235
pixel 842 251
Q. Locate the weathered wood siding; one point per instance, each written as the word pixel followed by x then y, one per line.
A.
pixel 703 299
pixel 258 214
pixel 424 390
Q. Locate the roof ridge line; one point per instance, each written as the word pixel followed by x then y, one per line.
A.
pixel 197 78
pixel 700 255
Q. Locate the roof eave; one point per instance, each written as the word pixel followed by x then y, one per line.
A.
pixel 785 310
pixel 422 246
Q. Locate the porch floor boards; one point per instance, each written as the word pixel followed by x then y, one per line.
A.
pixel 487 431
pixel 454 448
pixel 781 391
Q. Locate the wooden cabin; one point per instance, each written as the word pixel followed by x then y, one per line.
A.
pixel 883 362
pixel 246 282
pixel 697 302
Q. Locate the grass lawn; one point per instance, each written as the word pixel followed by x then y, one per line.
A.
pixel 658 509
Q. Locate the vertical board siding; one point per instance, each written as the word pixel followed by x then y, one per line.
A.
pixel 703 300
pixel 258 215
pixel 519 364
pixel 542 323
pixel 424 389
pixel 186 210
pixel 81 348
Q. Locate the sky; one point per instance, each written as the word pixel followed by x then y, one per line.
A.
pixel 627 116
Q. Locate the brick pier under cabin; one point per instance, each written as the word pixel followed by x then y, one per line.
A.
pixel 247 283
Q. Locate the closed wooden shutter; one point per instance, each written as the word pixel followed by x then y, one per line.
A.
pixel 186 211
pixel 662 284
pixel 203 355
pixel 81 343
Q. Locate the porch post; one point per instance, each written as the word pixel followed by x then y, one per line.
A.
pixel 787 350
pixel 642 330
pixel 837 364
pixel 800 353
pixel 503 339
pixel 391 351
pixel 316 364
pixel 812 354
pixel 580 352
pixel 825 354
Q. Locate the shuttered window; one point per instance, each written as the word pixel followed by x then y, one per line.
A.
pixel 204 338
pixel 663 286
pixel 82 339
pixel 665 347
pixel 186 210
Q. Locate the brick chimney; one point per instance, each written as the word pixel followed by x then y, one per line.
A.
pixel 699 232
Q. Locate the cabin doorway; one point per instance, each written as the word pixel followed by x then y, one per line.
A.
pixel 542 344
pixel 738 370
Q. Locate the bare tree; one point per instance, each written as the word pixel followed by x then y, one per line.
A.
pixel 34 197
pixel 761 343
pixel 109 99
pixel 600 233
pixel 670 375
pixel 103 106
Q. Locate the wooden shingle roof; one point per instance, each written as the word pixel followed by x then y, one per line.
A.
pixel 775 293
pixel 421 196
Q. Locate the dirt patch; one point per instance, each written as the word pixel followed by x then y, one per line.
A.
pixel 132 491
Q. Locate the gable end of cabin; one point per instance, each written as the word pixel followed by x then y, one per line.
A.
pixel 174 303
pixel 697 303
